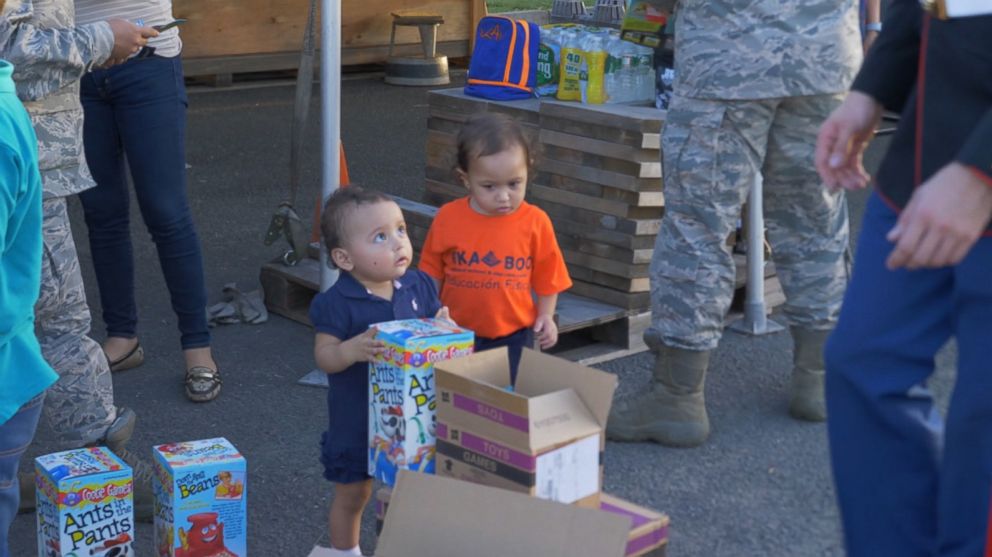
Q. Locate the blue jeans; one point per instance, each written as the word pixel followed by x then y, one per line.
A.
pixel 908 483
pixel 137 112
pixel 15 436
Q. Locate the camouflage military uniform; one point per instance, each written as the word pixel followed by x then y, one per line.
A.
pixel 49 56
pixel 754 80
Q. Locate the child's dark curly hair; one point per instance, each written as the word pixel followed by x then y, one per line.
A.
pixel 334 219
pixel 487 134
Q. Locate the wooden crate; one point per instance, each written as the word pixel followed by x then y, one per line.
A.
pixel 288 291
pixel 241 36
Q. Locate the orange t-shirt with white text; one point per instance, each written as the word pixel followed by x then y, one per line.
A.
pixel 488 265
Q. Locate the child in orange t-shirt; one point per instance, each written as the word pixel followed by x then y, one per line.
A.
pixel 491 251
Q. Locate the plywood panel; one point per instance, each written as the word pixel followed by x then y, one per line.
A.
pixel 236 27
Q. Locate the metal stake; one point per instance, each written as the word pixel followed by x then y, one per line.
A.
pixel 755 321
pixel 330 104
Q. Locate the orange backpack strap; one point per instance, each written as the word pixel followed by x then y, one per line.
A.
pixel 525 54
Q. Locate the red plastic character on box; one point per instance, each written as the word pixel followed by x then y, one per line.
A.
pixel 205 537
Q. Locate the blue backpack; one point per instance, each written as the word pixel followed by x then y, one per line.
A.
pixel 504 60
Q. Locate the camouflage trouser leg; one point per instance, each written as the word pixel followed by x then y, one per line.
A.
pixel 807 226
pixel 80 405
pixel 712 150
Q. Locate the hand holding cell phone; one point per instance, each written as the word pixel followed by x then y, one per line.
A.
pixel 170 25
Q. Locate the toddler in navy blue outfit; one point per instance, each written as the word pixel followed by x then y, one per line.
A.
pixel 366 239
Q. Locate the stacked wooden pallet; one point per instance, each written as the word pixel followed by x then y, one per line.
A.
pixel 448 110
pixel 598 176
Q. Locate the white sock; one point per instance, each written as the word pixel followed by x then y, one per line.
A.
pixel 343 552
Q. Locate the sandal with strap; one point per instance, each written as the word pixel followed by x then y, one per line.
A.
pixel 131 360
pixel 202 384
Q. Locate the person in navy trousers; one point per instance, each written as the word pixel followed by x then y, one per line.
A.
pixel 909 481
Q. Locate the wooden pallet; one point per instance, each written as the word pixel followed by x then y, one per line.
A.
pixel 596 323
pixel 589 331
pixel 592 332
pixel 288 290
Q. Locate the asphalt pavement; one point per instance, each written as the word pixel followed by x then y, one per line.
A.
pixel 760 486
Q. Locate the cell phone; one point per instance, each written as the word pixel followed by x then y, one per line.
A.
pixel 169 25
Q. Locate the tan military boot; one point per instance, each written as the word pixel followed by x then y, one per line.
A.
pixel 806 391
pixel 116 439
pixel 673 413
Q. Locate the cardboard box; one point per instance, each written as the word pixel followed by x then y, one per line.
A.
pixel 647 535
pixel 644 21
pixel 402 403
pixel 543 436
pixel 432 516
pixel 200 499
pixel 85 503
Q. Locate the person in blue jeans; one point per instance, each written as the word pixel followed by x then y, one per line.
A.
pixel 909 481
pixel 135 119
pixel 24 373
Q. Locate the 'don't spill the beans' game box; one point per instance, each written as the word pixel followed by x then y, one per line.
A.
pixel 200 505
pixel 401 393
pixel 85 504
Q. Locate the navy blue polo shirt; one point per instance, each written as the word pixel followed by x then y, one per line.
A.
pixel 345 310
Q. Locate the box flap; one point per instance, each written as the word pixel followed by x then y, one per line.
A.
pixel 559 417
pixel 409 329
pixel 488 366
pixel 197 453
pixel 542 373
pixel 430 516
pixel 76 463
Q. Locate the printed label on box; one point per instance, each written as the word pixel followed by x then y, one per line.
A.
pixel 569 473
pixel 85 505
pixel 200 500
pixel 401 393
pixel 565 475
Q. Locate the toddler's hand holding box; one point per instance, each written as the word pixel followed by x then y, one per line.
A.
pixel 401 393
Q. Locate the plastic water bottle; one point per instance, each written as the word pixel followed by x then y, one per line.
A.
pixel 628 76
pixel 613 65
pixel 645 73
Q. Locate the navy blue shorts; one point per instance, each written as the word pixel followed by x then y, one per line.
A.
pixel 515 342
pixel 344 465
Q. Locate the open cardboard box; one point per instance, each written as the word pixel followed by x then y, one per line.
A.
pixel 440 517
pixel 648 535
pixel 543 436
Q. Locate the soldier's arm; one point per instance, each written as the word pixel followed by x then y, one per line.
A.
pixel 889 70
pixel 45 60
